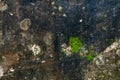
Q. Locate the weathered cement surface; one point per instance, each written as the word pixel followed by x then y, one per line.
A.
pixel 32 32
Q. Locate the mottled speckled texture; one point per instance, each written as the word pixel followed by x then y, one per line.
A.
pixel 49 24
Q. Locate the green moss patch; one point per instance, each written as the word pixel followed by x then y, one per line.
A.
pixel 75 44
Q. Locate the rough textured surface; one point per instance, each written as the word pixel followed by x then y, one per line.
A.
pixel 106 66
pixel 34 39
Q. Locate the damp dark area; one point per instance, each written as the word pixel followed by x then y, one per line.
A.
pixel 59 40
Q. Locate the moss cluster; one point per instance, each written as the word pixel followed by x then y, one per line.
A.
pixel 90 56
pixel 75 44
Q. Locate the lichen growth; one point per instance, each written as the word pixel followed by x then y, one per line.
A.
pixel 25 24
pixel 3 6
